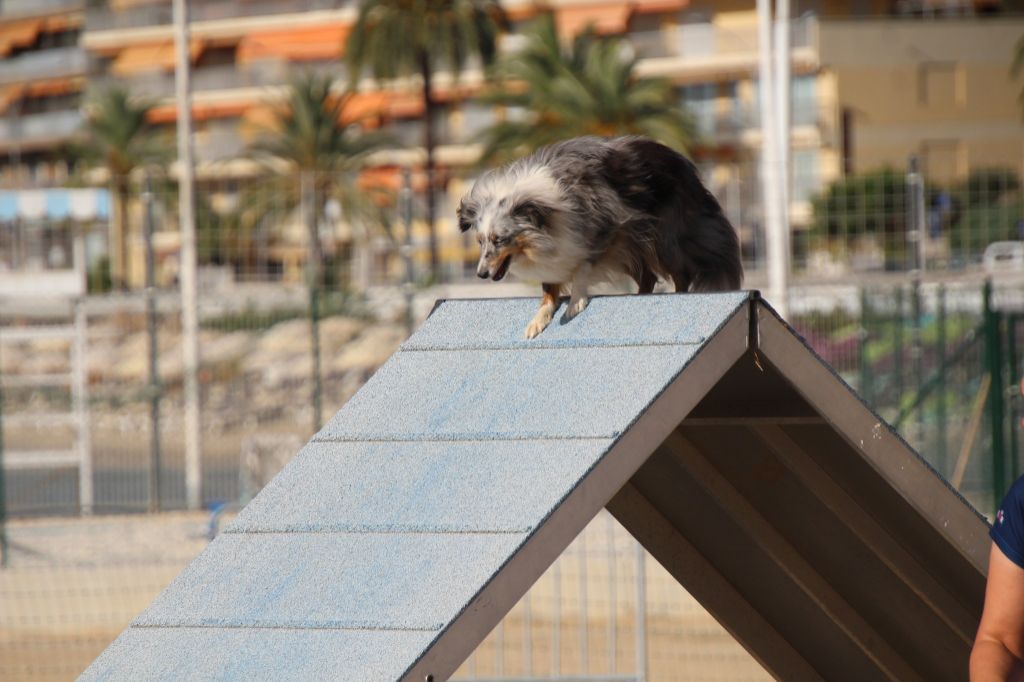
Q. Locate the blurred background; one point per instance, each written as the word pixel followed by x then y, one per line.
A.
pixel 308 197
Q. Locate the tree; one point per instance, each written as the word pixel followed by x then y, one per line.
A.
pixel 991 208
pixel 872 204
pixel 119 138
pixel 985 207
pixel 589 87
pixel 312 135
pixel 403 38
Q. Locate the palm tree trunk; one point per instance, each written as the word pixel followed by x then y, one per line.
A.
pixel 117 239
pixel 314 257
pixel 429 142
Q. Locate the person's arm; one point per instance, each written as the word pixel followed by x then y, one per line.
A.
pixel 999 645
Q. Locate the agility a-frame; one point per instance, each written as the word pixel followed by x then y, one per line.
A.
pixel 403 532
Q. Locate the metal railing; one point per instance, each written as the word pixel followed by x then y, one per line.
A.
pixel 19 8
pixel 50 126
pixel 159 13
pixel 157 84
pixel 703 41
pixel 50 63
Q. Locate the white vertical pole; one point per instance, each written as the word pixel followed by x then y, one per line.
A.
pixel 187 274
pixel 79 372
pixel 771 196
pixel 782 107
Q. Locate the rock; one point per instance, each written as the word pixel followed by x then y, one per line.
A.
pixel 369 350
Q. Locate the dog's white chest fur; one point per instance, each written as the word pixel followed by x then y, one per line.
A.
pixel 558 257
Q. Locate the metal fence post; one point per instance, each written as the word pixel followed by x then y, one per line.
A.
pixel 641 613
pixel 915 229
pixel 314 322
pixel 79 387
pixel 940 405
pixel 4 556
pixel 405 199
pixel 151 327
pixel 994 362
pixel 917 354
pixel 862 350
pixel 897 351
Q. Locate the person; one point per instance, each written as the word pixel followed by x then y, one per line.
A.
pixel 998 653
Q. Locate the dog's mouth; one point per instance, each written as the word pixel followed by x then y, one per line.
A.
pixel 502 268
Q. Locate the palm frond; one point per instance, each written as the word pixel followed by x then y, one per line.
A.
pixel 588 86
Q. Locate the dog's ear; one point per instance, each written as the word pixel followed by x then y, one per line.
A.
pixel 466 214
pixel 532 212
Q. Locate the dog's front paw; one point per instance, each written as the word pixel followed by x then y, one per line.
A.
pixel 576 307
pixel 538 324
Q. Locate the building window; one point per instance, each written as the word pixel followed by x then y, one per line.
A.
pixel 806 180
pixel 473 118
pixel 937 84
pixel 699 101
pixel 696 36
pixel 940 161
pixel 804 101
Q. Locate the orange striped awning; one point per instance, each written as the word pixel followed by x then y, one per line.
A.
pixel 383 103
pixel 19 34
pixel 54 86
pixel 9 95
pixel 606 19
pixel 297 44
pixel 168 113
pixel 152 57
pixel 654 6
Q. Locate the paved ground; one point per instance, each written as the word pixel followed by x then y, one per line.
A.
pixel 74 583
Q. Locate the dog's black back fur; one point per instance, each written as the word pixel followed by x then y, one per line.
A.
pixel 669 208
pixel 696 241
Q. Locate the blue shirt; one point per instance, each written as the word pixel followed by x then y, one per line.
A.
pixel 1008 530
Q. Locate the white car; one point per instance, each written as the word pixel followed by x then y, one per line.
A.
pixel 1004 257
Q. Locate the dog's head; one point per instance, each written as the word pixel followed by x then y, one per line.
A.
pixel 508 225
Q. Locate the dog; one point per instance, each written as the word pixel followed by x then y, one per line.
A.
pixel 593 209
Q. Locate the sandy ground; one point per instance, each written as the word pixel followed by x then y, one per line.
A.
pixel 74 583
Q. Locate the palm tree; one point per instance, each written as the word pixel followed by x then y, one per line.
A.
pixel 312 135
pixel 402 38
pixel 1018 66
pixel 589 87
pixel 119 138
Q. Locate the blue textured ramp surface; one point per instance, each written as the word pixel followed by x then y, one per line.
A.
pixel 382 531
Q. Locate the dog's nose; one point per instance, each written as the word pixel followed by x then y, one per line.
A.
pixel 482 274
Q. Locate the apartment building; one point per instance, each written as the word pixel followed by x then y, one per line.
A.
pixel 42 74
pixel 873 82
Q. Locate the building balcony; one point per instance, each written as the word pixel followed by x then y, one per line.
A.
pixel 51 63
pixel 159 13
pixel 35 131
pixel 698 52
pixel 30 8
pixel 159 85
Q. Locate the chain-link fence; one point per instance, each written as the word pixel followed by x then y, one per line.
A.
pixel 921 355
pixel 263 228
pixel 92 399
